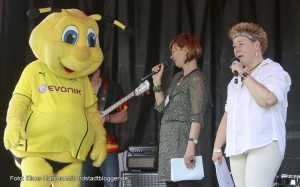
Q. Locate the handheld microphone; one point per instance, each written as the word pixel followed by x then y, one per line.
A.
pixel 235 73
pixel 166 65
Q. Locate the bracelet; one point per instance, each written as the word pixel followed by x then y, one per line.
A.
pixel 157 88
pixel 217 150
pixel 245 75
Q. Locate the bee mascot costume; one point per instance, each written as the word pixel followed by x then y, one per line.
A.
pixel 52 118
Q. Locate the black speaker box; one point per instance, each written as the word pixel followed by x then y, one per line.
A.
pixel 140 179
pixel 141 163
pixel 142 158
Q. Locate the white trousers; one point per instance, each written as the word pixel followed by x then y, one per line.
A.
pixel 256 167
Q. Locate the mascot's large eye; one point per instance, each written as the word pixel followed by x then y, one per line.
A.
pixel 91 38
pixel 70 35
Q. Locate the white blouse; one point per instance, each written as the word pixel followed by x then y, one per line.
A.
pixel 250 125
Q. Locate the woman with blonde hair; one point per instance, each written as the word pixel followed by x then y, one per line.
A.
pixel 253 124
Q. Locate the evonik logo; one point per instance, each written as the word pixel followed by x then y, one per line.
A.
pixel 52 88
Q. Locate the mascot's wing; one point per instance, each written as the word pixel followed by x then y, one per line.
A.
pixel 98 153
pixel 18 106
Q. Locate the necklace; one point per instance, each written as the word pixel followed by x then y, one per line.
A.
pixel 254 67
pixel 182 77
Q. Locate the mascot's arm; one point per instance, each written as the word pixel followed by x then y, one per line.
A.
pixel 98 153
pixel 18 106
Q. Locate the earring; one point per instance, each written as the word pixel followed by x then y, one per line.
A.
pixel 256 53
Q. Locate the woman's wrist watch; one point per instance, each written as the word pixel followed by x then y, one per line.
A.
pixel 195 141
pixel 217 150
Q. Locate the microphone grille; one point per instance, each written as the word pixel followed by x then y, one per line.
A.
pixel 235 59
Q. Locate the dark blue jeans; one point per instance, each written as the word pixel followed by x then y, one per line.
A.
pixel 109 170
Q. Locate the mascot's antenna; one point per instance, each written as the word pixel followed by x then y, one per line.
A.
pixel 127 30
pixel 34 13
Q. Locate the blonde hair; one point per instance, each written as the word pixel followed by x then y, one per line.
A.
pixel 191 43
pixel 251 31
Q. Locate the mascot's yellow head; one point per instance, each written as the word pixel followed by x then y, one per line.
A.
pixel 67 41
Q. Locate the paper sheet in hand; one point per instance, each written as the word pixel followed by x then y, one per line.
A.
pixel 223 175
pixel 179 172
